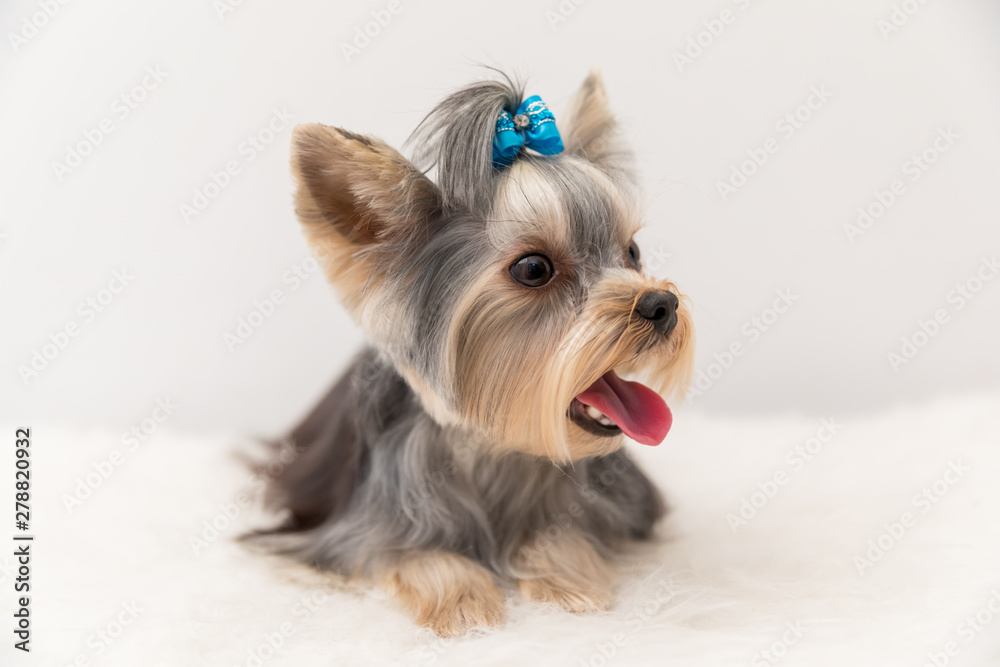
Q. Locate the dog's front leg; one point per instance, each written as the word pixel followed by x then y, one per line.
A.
pixel 446 592
pixel 565 570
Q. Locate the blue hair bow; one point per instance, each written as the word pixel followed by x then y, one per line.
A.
pixel 533 126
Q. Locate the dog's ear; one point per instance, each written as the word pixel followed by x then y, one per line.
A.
pixel 592 131
pixel 356 187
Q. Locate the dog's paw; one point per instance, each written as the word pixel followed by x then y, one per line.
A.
pixel 477 608
pixel 447 593
pixel 574 597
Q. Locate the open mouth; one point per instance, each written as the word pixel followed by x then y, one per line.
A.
pixel 612 406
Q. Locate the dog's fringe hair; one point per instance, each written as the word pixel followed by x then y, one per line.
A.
pixel 456 138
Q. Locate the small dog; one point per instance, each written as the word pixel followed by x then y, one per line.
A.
pixel 479 440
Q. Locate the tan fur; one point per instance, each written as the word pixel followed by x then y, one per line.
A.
pixel 432 402
pixel 567 572
pixel 609 335
pixel 496 333
pixel 446 592
pixel 623 193
pixel 592 130
pixel 514 358
pixel 502 343
pixel 528 211
pixel 353 191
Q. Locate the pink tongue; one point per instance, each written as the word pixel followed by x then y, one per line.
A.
pixel 635 408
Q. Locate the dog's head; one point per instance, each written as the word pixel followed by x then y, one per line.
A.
pixel 512 300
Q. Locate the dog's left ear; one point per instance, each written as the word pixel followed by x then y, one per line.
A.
pixel 356 189
pixel 592 131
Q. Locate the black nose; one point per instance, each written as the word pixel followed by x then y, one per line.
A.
pixel 660 308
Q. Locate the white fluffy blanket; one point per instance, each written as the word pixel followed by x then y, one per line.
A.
pixel 862 541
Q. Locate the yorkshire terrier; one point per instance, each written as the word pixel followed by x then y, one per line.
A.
pixel 477 443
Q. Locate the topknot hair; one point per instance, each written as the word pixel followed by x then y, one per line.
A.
pixel 456 138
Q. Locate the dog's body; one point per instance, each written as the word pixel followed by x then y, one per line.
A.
pixel 480 436
pixel 379 478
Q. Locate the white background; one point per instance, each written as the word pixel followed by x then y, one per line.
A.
pixel 163 335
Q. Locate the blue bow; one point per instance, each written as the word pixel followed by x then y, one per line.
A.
pixel 533 126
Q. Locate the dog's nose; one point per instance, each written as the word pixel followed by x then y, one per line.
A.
pixel 660 308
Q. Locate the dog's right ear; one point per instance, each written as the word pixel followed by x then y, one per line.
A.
pixel 592 130
pixel 356 189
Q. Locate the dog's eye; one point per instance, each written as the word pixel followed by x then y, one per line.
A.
pixel 633 255
pixel 532 270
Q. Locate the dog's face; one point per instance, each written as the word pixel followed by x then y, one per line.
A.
pixel 513 302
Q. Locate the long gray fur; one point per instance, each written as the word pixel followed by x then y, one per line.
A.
pixel 377 476
pixel 416 485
